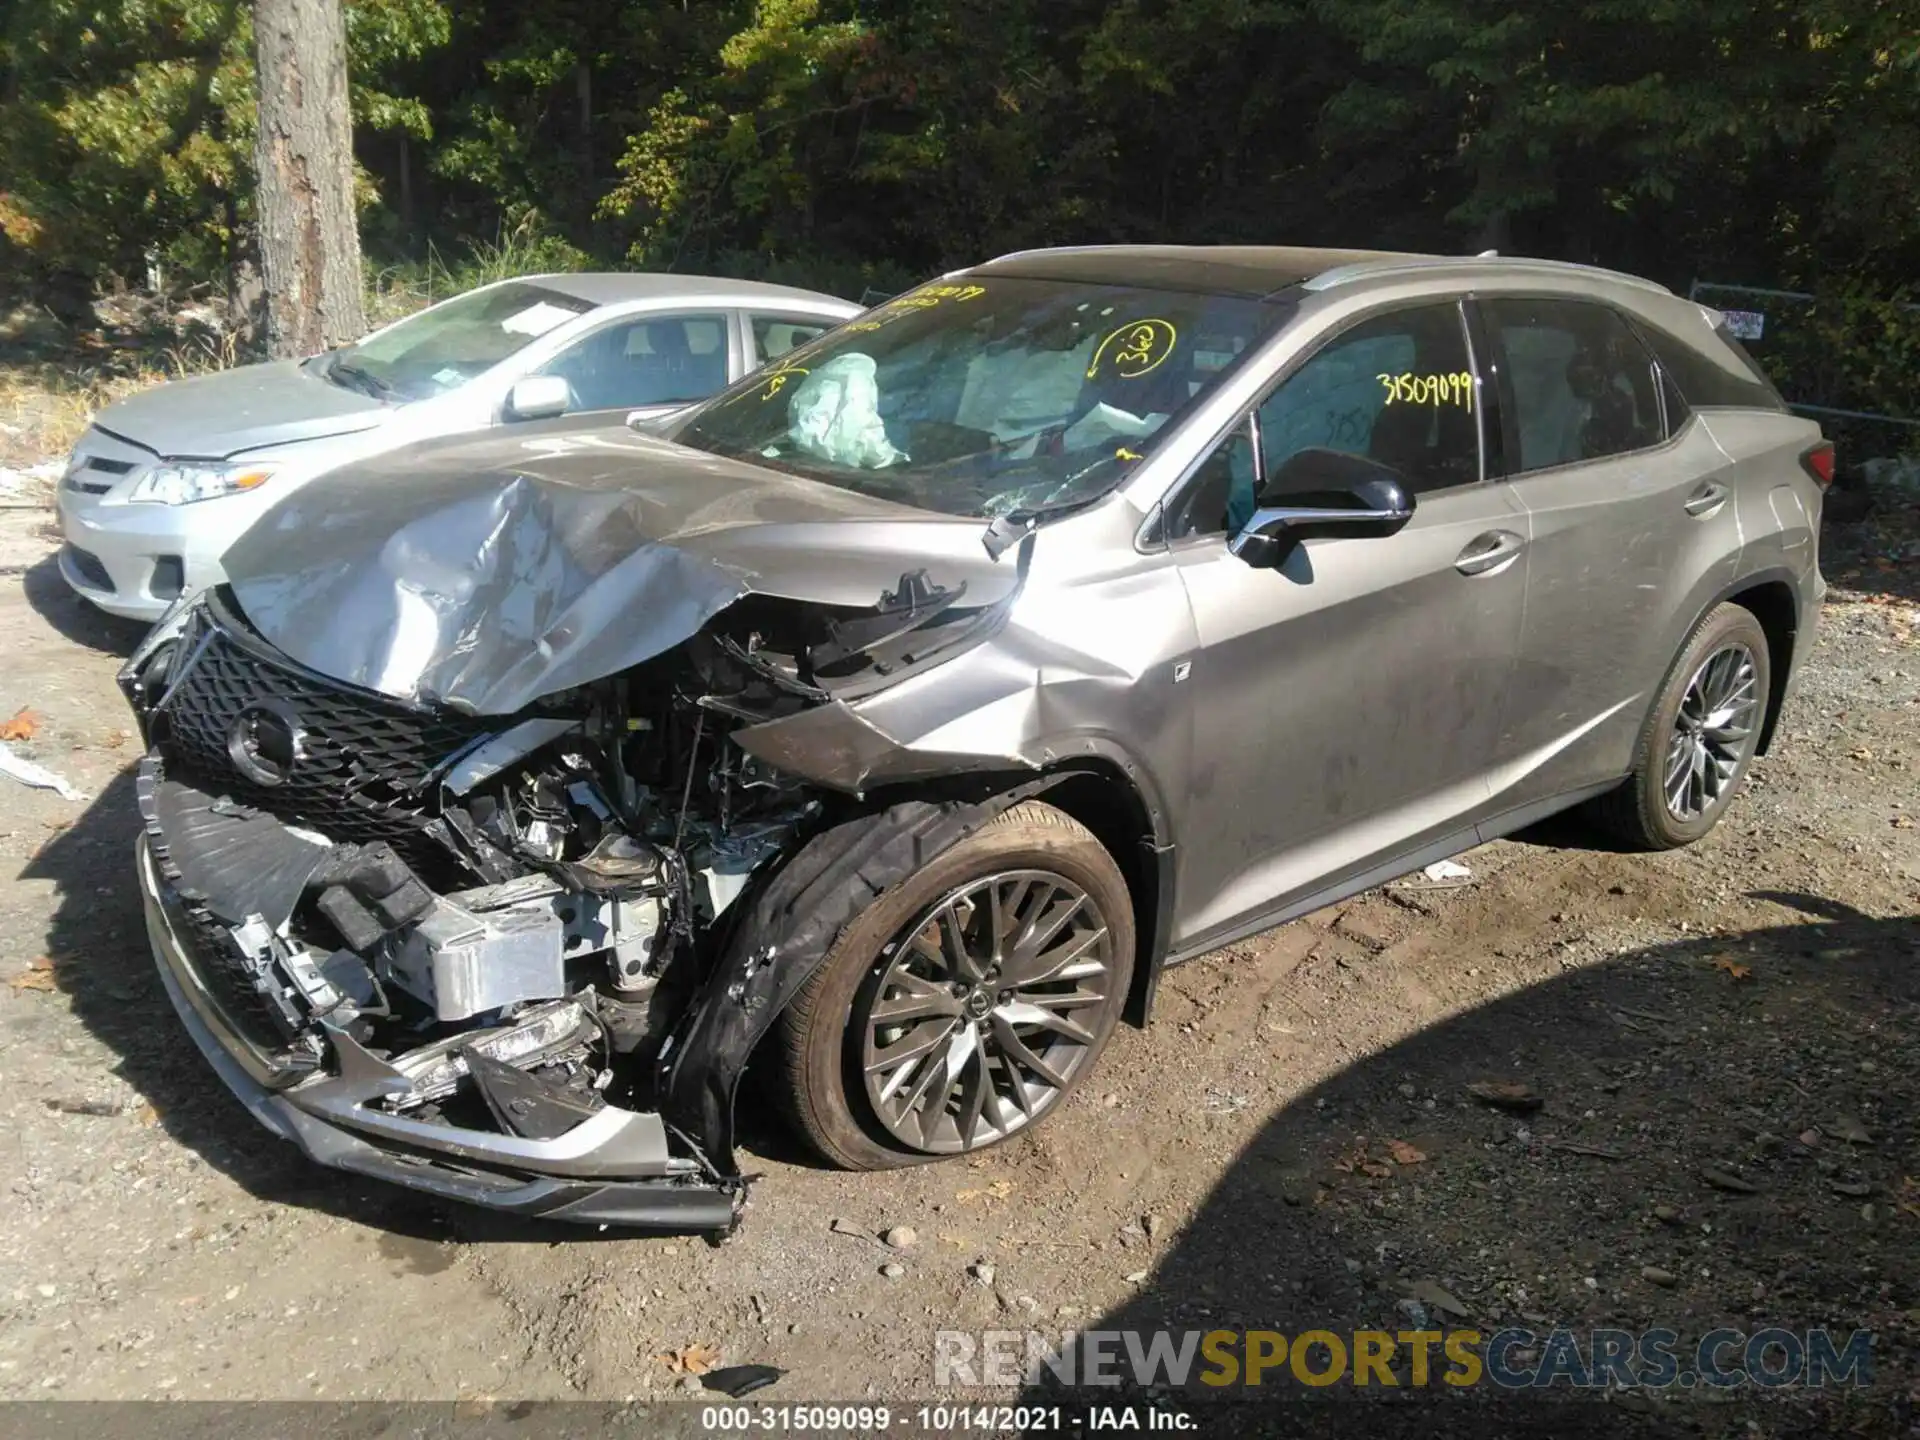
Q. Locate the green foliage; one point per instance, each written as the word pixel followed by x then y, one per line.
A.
pixel 127 125
pixel 1850 349
pixel 861 144
pixel 383 36
pixel 1729 125
pixel 523 245
pixel 130 125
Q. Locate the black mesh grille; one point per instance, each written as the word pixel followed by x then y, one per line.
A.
pixel 363 762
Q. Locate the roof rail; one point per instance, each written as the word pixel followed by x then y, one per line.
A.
pixel 1414 264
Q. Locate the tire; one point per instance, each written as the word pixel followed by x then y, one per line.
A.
pixel 1038 860
pixel 1641 812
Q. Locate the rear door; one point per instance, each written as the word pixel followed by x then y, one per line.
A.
pixel 1346 706
pixel 1632 523
pixel 771 335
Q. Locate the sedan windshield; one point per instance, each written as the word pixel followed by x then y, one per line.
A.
pixel 448 344
pixel 986 396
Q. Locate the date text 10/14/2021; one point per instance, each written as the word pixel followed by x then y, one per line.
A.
pixel 943 1419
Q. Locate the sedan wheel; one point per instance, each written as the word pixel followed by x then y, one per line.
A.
pixel 966 1003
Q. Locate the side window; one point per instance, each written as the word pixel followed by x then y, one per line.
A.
pixel 1583 385
pixel 654 360
pixel 1673 404
pixel 775 335
pixel 1730 379
pixel 1219 496
pixel 1398 388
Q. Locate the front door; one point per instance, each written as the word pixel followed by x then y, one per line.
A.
pixel 646 365
pixel 1347 706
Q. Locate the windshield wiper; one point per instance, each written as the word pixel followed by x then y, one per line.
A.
pixel 358 377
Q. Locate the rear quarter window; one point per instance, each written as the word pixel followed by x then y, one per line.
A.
pixel 1727 378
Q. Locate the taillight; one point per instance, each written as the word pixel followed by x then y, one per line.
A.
pixel 1818 462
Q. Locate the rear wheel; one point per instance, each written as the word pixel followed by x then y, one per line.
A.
pixel 1700 737
pixel 968 1002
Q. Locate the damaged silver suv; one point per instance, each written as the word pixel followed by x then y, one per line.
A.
pixel 893 719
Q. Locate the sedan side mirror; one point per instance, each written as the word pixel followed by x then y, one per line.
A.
pixel 1322 493
pixel 539 397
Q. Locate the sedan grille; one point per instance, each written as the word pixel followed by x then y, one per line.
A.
pixel 248 723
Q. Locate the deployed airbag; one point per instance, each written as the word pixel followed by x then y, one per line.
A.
pixel 836 415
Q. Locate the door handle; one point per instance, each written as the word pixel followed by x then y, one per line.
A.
pixel 1707 499
pixel 1490 553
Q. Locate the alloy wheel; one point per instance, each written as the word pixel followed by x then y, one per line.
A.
pixel 1712 732
pixel 983 1011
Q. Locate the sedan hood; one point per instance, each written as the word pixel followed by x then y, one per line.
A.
pixel 485 573
pixel 210 417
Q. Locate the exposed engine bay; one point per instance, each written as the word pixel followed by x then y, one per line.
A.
pixel 484 954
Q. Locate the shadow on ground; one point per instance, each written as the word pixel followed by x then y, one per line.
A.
pixel 1724 1138
pixel 76 619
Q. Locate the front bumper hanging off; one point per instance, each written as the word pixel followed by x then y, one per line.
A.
pixel 614 1168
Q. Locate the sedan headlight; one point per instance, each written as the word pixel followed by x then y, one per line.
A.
pixel 183 482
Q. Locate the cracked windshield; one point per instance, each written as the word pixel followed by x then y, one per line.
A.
pixel 989 397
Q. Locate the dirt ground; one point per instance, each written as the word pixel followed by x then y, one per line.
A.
pixel 1723 1039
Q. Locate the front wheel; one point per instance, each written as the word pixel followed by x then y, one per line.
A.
pixel 1700 738
pixel 968 1002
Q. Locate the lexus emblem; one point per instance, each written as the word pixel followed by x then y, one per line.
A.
pixel 266 741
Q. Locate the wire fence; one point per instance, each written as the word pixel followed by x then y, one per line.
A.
pixel 1850 362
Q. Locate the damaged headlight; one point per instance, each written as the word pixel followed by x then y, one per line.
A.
pixel 184 482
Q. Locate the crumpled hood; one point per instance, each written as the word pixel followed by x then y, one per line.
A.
pixel 485 573
pixel 214 416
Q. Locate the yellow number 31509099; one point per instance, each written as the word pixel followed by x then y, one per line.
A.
pixel 1410 389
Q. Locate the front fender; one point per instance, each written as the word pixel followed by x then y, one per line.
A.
pixel 791 925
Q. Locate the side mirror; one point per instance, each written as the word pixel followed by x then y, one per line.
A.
pixel 1322 493
pixel 538 397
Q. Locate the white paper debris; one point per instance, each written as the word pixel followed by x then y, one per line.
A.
pixel 536 319
pixel 15 483
pixel 1441 875
pixel 1108 422
pixel 38 776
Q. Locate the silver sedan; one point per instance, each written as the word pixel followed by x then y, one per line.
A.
pixel 164 481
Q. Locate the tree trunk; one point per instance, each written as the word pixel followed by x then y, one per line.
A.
pixel 406 182
pixel 583 97
pixel 309 236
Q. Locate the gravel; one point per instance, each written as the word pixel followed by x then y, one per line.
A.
pixel 158 1242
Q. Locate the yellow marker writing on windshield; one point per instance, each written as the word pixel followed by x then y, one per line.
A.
pixel 924 298
pixel 1134 349
pixel 777 381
